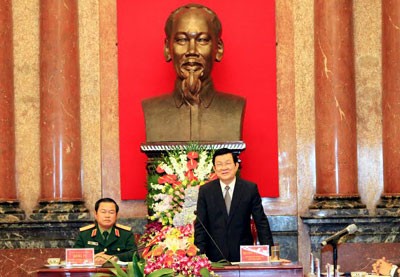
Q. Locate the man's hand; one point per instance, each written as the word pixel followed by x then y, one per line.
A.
pixel 101 258
pixel 382 267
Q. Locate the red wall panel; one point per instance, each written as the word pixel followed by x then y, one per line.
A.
pixel 248 68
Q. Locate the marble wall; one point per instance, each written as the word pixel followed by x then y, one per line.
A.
pixel 295 92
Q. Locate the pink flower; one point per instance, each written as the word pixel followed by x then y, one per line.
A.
pixel 168 261
pixel 193 155
pixel 159 169
pixel 169 178
pixel 190 175
pixel 191 164
pixel 180 252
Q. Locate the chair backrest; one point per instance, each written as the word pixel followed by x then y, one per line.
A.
pixel 254 231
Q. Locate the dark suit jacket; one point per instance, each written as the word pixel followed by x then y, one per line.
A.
pixel 229 232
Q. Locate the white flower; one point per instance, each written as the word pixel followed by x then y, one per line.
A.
pixel 191 195
pixel 180 167
pixel 162 196
pixel 156 186
pixel 203 170
pixel 178 220
pixel 166 168
pixel 164 205
pixel 183 157
pixel 186 216
pixel 168 199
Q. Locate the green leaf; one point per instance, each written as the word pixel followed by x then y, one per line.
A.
pixel 117 270
pixel 162 272
pixel 218 264
pixel 134 267
pixel 204 272
pixel 131 271
pixel 141 265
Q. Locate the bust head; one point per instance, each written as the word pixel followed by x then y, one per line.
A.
pixel 193 42
pixel 195 111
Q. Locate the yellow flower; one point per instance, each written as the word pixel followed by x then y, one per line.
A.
pixel 172 243
pixel 173 233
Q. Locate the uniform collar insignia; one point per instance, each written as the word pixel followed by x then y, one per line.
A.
pixel 94 232
pixel 116 232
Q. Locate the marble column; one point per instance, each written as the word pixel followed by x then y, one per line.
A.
pixel 60 142
pixel 391 105
pixel 9 205
pixel 335 107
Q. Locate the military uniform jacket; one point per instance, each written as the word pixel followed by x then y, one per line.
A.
pixel 120 241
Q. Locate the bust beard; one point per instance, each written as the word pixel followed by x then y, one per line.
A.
pixel 191 86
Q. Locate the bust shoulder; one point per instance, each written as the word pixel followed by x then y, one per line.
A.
pixel 230 96
pixel 158 101
pixel 231 100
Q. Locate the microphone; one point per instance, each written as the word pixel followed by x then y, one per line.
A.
pixel 351 229
pixel 224 259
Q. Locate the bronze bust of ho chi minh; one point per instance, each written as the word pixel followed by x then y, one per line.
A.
pixel 194 111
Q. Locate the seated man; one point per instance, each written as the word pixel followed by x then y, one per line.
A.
pixel 384 267
pixel 109 240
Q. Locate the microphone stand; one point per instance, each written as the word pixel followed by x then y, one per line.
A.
pixel 224 259
pixel 334 244
pixel 335 257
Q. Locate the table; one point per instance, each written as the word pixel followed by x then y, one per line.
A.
pixel 250 270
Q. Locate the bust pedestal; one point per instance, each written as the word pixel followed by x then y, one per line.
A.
pixel 157 149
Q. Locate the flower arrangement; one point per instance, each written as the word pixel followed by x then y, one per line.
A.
pixel 173 247
pixel 168 241
pixel 173 185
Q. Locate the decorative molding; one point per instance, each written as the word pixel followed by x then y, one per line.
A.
pixel 168 146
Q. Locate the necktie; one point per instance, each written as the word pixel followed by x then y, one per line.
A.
pixel 227 199
pixel 105 235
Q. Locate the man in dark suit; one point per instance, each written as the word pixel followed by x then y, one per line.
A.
pixel 109 239
pixel 225 207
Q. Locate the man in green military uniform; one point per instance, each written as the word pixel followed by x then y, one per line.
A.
pixel 109 240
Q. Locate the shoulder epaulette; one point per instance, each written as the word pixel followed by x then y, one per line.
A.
pixel 87 227
pixel 126 228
